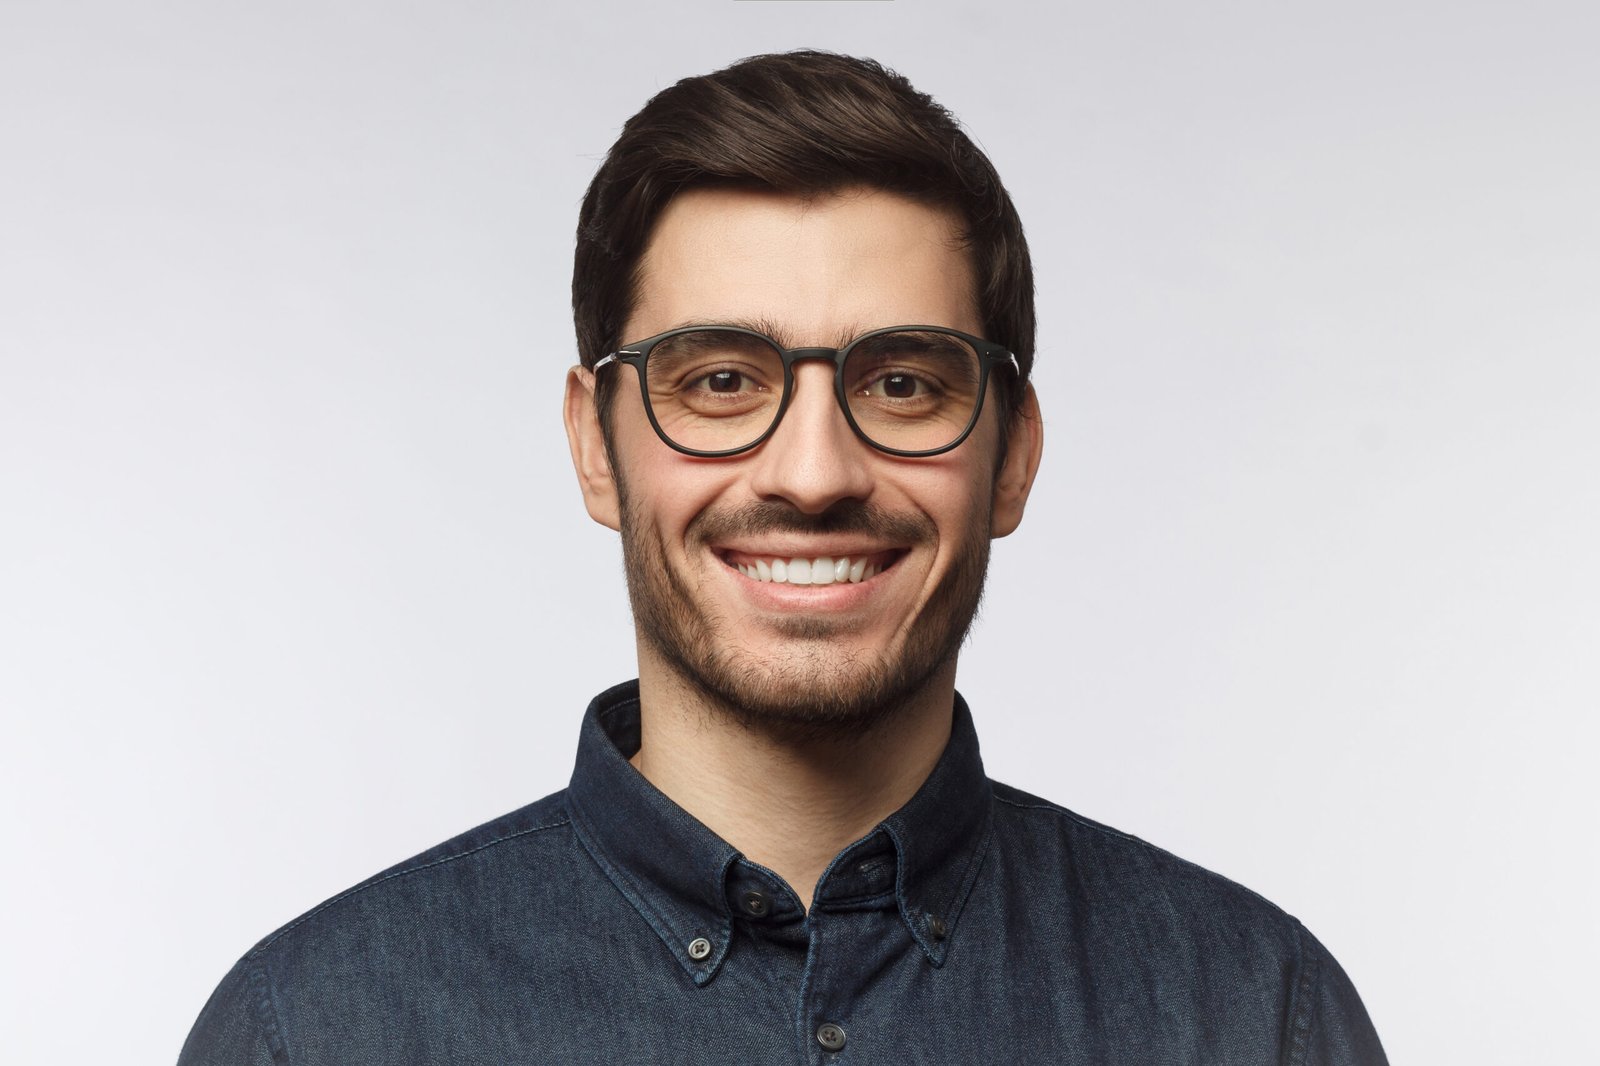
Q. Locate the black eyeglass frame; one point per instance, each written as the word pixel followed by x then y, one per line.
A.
pixel 990 355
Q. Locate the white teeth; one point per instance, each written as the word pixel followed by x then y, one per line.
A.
pixel 823 570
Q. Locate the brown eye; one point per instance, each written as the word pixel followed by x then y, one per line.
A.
pixel 899 386
pixel 725 381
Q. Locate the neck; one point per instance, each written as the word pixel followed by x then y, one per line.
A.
pixel 786 801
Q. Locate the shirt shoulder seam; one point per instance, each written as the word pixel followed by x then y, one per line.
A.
pixel 1307 993
pixel 1145 844
pixel 1086 823
pixel 266 1012
pixel 358 889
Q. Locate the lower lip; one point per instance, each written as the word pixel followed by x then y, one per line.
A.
pixel 839 596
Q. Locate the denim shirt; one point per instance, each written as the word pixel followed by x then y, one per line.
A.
pixel 604 924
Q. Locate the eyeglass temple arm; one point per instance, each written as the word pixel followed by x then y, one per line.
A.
pixel 612 358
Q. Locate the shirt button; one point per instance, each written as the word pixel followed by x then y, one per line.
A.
pixel 699 948
pixel 756 903
pixel 937 927
pixel 830 1036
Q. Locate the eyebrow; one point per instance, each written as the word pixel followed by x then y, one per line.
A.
pixel 768 328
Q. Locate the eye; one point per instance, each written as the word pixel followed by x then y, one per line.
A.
pixel 899 385
pixel 719 389
pixel 725 381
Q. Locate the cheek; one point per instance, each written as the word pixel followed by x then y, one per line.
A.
pixel 663 489
pixel 967 515
pixel 954 489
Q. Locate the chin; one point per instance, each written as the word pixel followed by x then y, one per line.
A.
pixel 814 695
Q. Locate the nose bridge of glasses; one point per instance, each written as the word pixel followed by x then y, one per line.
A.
pixel 794 355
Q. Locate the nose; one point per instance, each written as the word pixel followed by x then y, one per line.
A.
pixel 813 459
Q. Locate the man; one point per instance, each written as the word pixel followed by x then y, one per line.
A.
pixel 804 311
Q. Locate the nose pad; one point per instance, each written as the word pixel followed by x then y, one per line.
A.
pixel 813 459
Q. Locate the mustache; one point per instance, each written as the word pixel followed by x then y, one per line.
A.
pixel 776 516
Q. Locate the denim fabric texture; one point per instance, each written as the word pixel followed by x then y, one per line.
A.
pixel 603 924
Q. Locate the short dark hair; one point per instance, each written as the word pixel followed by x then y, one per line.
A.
pixel 802 122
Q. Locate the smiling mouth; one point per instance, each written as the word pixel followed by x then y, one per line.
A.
pixel 817 570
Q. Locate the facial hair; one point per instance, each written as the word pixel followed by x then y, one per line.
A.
pixel 822 689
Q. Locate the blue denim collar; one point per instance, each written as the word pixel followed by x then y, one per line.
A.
pixel 683 879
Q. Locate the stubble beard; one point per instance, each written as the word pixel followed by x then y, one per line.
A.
pixel 822 688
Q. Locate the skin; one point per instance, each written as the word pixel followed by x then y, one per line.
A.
pixel 834 702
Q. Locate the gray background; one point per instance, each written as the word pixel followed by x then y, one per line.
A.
pixel 295 580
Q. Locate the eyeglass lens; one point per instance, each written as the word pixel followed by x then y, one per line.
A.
pixel 715 390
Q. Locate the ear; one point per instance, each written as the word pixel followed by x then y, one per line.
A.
pixel 588 444
pixel 1015 480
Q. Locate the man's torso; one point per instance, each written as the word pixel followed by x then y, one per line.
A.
pixel 979 924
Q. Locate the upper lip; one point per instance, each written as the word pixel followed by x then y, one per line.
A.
pixel 809 550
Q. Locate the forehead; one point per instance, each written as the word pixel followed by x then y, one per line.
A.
pixel 820 269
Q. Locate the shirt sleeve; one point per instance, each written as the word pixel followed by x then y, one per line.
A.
pixel 238 1025
pixel 1331 1026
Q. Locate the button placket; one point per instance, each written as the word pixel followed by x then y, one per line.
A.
pixel 856 929
pixel 832 983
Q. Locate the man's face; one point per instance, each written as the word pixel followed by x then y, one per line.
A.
pixel 698 534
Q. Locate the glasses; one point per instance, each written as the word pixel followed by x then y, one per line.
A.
pixel 715 391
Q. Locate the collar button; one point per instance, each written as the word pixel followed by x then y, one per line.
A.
pixel 699 949
pixel 756 903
